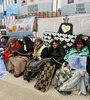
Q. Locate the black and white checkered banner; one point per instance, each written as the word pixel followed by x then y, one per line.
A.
pixel 66 39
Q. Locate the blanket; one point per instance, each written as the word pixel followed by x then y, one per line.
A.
pixel 3 71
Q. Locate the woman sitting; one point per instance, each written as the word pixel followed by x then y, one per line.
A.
pixel 57 52
pixel 9 52
pixel 18 63
pixel 40 50
pixel 68 80
pixel 26 48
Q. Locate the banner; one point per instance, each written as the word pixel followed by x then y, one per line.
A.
pixel 30 6
pixel 12 9
pixel 20 27
pixel 1 15
pixel 70 7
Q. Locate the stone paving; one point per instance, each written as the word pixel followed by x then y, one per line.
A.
pixel 12 88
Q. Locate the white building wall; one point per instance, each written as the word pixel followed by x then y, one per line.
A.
pixel 81 24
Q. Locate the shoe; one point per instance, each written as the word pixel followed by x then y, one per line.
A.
pixel 16 76
pixel 30 78
pixel 65 92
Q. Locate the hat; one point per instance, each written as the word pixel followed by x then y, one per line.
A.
pixel 39 40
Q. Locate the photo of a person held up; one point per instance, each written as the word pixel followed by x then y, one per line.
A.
pixel 70 1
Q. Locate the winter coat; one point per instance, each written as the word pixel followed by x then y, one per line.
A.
pixel 57 54
pixel 29 48
pixel 8 52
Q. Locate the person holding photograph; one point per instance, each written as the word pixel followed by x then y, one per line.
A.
pixel 74 80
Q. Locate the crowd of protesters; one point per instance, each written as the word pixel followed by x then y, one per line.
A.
pixel 18 55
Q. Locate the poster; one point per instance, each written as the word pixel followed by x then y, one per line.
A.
pixel 70 1
pixel 12 9
pixel 23 2
pixel 31 6
pixel 78 62
pixel 71 7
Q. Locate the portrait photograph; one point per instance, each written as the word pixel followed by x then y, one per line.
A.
pixel 70 1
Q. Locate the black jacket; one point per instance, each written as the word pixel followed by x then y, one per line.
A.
pixel 88 43
pixel 88 60
pixel 22 52
pixel 57 54
pixel 44 53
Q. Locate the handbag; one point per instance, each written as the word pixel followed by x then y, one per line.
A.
pixel 36 65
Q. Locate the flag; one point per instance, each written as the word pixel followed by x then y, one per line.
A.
pixel 20 28
pixel 1 2
pixel 12 9
pixel 1 15
pixel 21 35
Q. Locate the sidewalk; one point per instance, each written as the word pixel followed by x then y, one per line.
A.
pixel 12 88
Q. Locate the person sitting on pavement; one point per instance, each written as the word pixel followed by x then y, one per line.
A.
pixel 23 55
pixel 68 80
pixel 9 52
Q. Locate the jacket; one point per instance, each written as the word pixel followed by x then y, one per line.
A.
pixel 8 52
pixel 74 52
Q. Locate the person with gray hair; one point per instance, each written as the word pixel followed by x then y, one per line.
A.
pixel 40 50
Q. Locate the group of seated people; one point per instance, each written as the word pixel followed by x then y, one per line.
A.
pixel 17 56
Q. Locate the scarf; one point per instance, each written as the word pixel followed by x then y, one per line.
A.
pixel 36 49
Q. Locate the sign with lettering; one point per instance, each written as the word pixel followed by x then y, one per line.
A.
pixel 31 6
pixel 70 7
